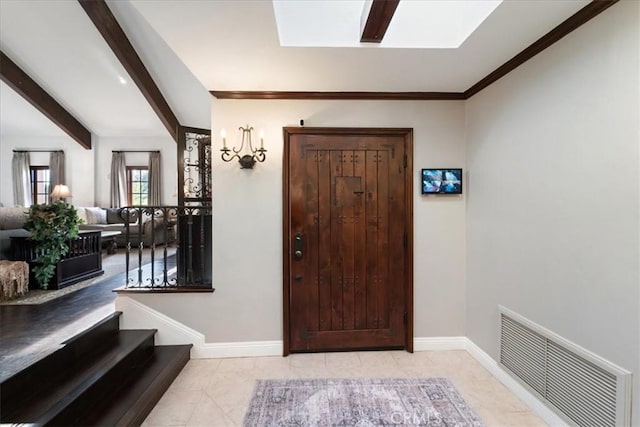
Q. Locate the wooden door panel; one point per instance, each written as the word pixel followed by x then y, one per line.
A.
pixel 371 188
pixel 360 242
pixel 347 196
pixel 335 246
pixel 311 232
pixel 324 241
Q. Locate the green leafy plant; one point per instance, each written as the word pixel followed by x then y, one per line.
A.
pixel 51 226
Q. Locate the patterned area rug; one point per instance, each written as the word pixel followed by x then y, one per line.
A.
pixel 359 402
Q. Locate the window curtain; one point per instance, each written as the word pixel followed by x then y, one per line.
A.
pixel 118 180
pixel 21 179
pixel 155 179
pixel 56 169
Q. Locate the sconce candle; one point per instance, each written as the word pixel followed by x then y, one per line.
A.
pixel 223 134
pixel 261 138
pixel 246 155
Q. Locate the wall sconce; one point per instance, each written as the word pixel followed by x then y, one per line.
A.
pixel 60 192
pixel 247 156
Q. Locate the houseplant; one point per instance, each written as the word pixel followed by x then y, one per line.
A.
pixel 51 226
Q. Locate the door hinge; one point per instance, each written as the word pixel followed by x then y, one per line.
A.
pixel 405 161
pixel 405 318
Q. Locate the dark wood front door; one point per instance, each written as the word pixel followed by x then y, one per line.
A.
pixel 347 245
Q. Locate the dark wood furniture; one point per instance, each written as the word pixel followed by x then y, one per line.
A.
pixel 109 239
pixel 83 261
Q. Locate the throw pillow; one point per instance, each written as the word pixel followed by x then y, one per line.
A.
pixel 82 214
pixel 96 216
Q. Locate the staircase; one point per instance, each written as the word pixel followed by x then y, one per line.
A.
pixel 102 376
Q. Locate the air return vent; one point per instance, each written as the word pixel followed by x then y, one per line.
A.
pixel 581 387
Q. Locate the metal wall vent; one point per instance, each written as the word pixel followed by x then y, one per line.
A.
pixel 583 388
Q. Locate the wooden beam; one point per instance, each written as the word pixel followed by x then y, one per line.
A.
pixel 585 14
pixel 378 20
pixel 371 96
pixel 108 26
pixel 24 85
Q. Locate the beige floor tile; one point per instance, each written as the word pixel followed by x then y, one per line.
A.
pixel 170 414
pixel 182 396
pixel 342 360
pixel 217 392
pixel 237 415
pixel 231 378
pixel 376 359
pixel 236 364
pixel 274 373
pixel 510 419
pixel 230 397
pixel 272 362
pixel 191 378
pixel 204 365
pixel 404 359
pixel 209 413
pixel 312 372
pixel 307 360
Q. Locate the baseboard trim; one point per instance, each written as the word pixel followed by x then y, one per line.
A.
pixel 137 315
pixel 536 405
pixel 439 343
pixel 240 349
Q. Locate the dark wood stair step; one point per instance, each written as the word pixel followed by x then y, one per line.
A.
pixel 24 384
pixel 58 397
pixel 133 401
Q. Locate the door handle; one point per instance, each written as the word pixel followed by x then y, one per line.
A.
pixel 297 246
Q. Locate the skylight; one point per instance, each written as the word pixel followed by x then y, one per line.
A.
pixel 435 24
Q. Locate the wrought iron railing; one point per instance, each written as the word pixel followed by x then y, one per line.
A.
pixel 168 247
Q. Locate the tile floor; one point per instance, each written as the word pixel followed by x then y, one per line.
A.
pixel 216 392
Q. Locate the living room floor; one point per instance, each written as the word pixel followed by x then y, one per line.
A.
pixel 30 332
pixel 216 392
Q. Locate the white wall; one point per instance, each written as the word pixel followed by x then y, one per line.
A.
pixel 78 165
pixel 168 152
pixel 88 171
pixel 247 303
pixel 553 207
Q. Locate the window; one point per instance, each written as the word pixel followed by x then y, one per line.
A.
pixel 40 190
pixel 138 185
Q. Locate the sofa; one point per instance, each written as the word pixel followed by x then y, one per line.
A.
pixel 112 219
pixel 12 220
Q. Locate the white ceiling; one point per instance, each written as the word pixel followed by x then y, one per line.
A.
pixel 415 24
pixel 192 46
pixel 233 45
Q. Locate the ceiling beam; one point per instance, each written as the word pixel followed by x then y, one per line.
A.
pixel 370 96
pixel 108 26
pixel 24 85
pixel 588 12
pixel 378 20
pixel 582 16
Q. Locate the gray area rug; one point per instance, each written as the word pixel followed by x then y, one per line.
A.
pixel 359 402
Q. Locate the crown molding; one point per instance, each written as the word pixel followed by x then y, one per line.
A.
pixel 570 24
